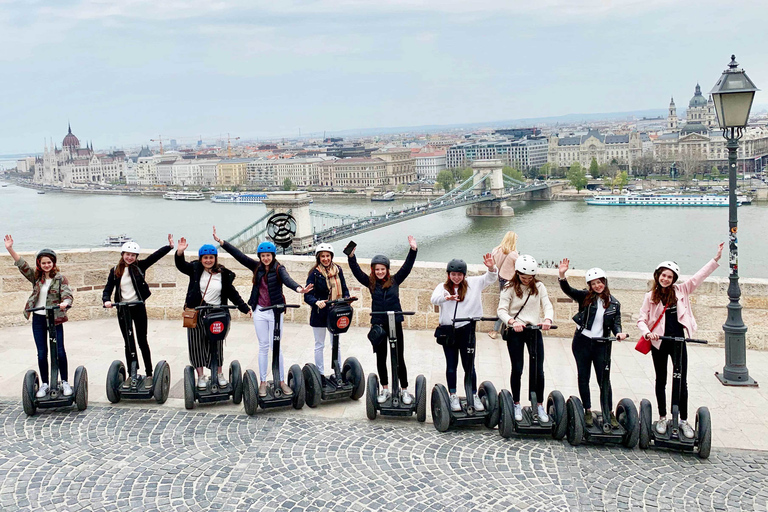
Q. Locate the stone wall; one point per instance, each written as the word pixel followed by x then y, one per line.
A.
pixel 87 272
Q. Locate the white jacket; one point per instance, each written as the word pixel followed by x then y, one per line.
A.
pixel 510 304
pixel 471 306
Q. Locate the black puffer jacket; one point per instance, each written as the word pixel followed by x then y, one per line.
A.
pixel 586 315
pixel 136 271
pixel 384 299
pixel 194 269
pixel 319 317
pixel 276 277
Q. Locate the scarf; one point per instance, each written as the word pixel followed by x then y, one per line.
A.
pixel 332 280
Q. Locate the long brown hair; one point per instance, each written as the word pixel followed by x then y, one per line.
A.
pixel 666 295
pixel 318 264
pixel 273 264
pixel 120 268
pixel 462 286
pixel 39 274
pixel 605 295
pixel 216 268
pixel 518 285
pixel 372 279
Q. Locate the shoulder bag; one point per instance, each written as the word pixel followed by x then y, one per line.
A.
pixel 444 333
pixel 189 316
pixel 644 344
pixel 505 328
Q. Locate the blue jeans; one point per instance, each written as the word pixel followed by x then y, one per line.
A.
pixel 40 332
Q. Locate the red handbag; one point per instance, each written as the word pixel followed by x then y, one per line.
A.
pixel 644 344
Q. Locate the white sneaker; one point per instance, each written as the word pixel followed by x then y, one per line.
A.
pixel 406 397
pixel 455 403
pixel 479 403
pixel 687 429
pixel 518 412
pixel 66 388
pixel 543 417
pixel 42 391
pixel 661 425
pixel 201 384
pixel 222 381
pixel 383 396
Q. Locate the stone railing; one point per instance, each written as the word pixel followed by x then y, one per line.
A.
pixel 87 272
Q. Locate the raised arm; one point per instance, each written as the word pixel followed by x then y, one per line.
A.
pixel 402 274
pixel 704 272
pixel 183 265
pixel 9 247
pixel 361 276
pixel 156 256
pixel 240 256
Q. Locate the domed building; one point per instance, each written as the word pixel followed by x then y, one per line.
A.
pixel 699 118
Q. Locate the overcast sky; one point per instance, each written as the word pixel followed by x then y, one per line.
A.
pixel 126 71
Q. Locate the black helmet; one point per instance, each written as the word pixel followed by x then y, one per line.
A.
pixel 46 252
pixel 456 265
pixel 380 259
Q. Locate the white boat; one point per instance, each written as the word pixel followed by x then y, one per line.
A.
pixel 117 241
pixel 658 200
pixel 239 197
pixel 184 196
pixel 389 196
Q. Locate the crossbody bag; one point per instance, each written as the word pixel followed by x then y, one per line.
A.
pixel 189 315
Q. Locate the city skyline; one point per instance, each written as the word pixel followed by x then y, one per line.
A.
pixel 133 70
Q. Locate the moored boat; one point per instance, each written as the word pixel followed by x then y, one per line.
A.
pixel 657 200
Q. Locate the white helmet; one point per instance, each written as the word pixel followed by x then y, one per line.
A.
pixel 526 264
pixel 594 273
pixel 324 248
pixel 131 247
pixel 671 265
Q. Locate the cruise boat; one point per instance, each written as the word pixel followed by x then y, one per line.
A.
pixel 389 196
pixel 117 241
pixel 658 200
pixel 184 196
pixel 239 197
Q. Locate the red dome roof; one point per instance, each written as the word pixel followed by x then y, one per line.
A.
pixel 70 141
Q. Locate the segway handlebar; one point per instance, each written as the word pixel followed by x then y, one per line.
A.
pixel 531 327
pixel 211 306
pixel 476 319
pixel 132 303
pixel 279 306
pixel 47 308
pixel 681 339
pixel 406 313
pixel 604 339
pixel 346 300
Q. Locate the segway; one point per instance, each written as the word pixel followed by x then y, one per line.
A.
pixel 345 382
pixel 133 386
pixel 275 396
pixel 531 423
pixel 673 439
pixel 55 396
pixel 444 417
pixel 394 406
pixel 216 322
pixel 601 431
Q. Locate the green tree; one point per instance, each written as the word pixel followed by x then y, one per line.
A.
pixel 546 169
pixel 400 187
pixel 445 179
pixel 621 180
pixel 513 173
pixel 594 170
pixel 288 184
pixel 461 173
pixel 577 177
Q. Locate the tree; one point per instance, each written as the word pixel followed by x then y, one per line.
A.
pixel 621 180
pixel 546 169
pixel 594 170
pixel 461 173
pixel 577 177
pixel 445 179
pixel 513 173
pixel 288 184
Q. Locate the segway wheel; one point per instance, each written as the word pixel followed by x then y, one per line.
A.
pixel 556 410
pixel 236 379
pixel 421 399
pixel 161 382
pixel 250 392
pixel 28 392
pixel 441 408
pixel 189 387
pixel 313 384
pixel 115 379
pixel 489 397
pixel 575 420
pixel 645 424
pixel 506 414
pixel 626 413
pixel 353 372
pixel 296 383
pixel 703 432
pixel 371 393
pixel 81 388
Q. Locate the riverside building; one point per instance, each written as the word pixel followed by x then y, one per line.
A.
pixel 526 153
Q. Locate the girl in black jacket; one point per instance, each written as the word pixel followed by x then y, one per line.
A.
pixel 385 296
pixel 268 279
pixel 127 280
pixel 328 283
pixel 210 283
pixel 599 315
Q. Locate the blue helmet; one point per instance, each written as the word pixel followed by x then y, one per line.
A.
pixel 207 249
pixel 266 247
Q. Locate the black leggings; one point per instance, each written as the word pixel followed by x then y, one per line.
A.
pixel 590 353
pixel 40 333
pixel 660 356
pixel 381 359
pixel 139 317
pixel 462 342
pixel 515 344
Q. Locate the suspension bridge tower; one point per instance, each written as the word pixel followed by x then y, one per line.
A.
pixel 295 203
pixel 489 180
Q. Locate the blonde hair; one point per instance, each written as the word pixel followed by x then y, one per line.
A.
pixel 509 242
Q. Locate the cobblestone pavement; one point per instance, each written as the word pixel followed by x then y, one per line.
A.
pixel 150 459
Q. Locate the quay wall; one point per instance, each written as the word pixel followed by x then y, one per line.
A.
pixel 87 271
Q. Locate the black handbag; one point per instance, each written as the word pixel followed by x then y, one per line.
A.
pixel 376 335
pixel 506 330
pixel 444 334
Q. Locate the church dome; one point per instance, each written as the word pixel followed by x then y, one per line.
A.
pixel 70 141
pixel 698 99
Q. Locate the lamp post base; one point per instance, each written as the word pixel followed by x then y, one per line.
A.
pixel 749 382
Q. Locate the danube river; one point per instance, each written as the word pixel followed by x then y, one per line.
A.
pixel 615 238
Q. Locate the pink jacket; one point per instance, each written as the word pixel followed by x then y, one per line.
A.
pixel 649 312
pixel 504 262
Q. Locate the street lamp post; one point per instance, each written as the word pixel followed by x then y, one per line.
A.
pixel 733 94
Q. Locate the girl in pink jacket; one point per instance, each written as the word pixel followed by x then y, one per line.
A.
pixel 668 306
